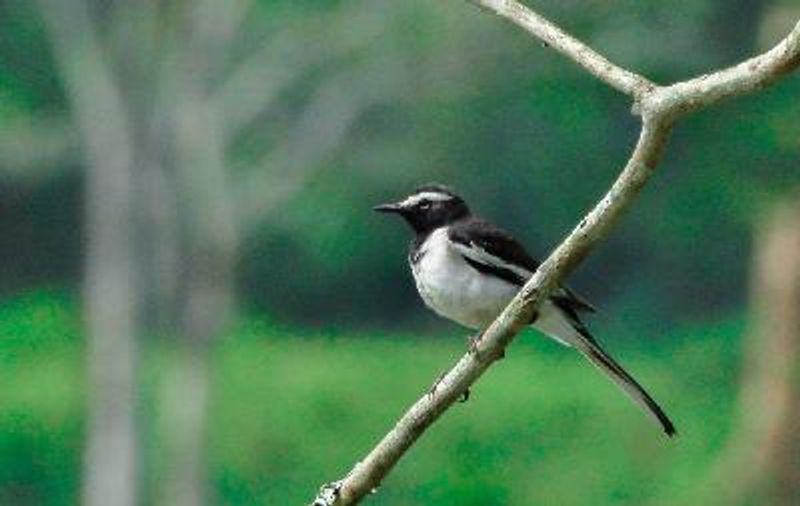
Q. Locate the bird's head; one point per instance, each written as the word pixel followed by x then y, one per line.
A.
pixel 428 208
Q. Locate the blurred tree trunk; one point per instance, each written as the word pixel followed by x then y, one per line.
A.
pixel 111 277
pixel 110 302
pixel 207 242
pixel 762 462
pixel 161 238
pixel 163 227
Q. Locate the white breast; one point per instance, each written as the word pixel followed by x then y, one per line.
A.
pixel 454 289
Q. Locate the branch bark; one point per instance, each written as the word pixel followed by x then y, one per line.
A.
pixel 659 108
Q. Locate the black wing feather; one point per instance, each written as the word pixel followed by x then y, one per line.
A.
pixel 498 272
pixel 494 240
pixel 499 243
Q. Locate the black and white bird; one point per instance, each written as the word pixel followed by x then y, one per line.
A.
pixel 468 269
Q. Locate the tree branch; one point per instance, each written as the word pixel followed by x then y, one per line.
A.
pixel 660 108
pixel 593 62
pixel 750 75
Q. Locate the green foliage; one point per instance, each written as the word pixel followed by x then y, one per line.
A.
pixel 291 410
pixel 41 401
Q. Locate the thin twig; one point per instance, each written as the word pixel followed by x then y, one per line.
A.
pixel 593 62
pixel 659 107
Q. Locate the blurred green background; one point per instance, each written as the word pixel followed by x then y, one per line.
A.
pixel 320 111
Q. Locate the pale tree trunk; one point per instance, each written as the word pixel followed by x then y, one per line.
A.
pixel 110 301
pixel 208 243
pixel 161 238
pixel 110 292
pixel 762 463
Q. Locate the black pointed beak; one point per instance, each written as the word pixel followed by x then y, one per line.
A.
pixel 388 208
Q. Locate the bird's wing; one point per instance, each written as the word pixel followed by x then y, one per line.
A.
pixel 491 250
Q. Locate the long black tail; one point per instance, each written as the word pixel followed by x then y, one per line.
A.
pixel 590 349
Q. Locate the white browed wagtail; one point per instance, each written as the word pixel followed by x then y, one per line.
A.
pixel 468 269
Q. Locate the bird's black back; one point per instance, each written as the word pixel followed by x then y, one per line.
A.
pixel 475 231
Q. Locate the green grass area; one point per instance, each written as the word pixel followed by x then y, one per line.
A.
pixel 291 410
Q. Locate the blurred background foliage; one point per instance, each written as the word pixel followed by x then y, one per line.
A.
pixel 330 107
pixel 292 407
pixel 528 139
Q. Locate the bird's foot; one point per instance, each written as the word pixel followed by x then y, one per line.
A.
pixel 472 343
pixel 432 390
pixel 463 398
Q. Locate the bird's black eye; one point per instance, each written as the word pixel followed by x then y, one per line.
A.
pixel 425 205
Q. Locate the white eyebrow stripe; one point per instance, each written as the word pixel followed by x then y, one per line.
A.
pixel 431 196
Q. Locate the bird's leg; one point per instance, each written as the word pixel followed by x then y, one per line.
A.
pixel 435 385
pixel 463 398
pixel 472 343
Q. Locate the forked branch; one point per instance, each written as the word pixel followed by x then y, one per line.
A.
pixel 593 62
pixel 659 107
